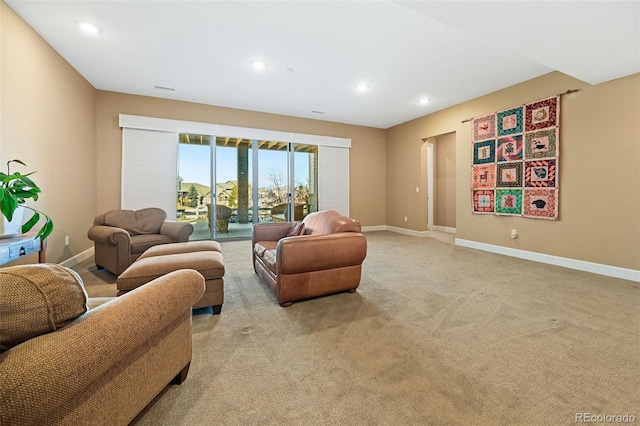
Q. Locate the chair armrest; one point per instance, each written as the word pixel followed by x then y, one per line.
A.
pixel 179 231
pixel 109 235
pixel 57 367
pixel 269 231
pixel 310 253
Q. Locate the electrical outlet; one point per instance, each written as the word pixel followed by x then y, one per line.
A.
pixel 417 189
pixel 514 233
pixel 405 219
pixel 66 240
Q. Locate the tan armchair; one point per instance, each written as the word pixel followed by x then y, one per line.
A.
pixel 121 236
pixel 280 213
pixel 326 259
pixel 223 214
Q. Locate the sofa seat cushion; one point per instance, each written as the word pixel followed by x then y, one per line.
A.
pixel 209 263
pixel 262 246
pixel 266 251
pixel 141 243
pixel 38 299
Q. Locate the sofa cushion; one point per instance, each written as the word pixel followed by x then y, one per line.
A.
pixel 329 222
pixel 269 259
pixel 139 222
pixel 141 243
pixel 261 246
pixel 297 229
pixel 37 299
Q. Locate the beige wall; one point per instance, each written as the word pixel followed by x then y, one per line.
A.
pixel 599 176
pixel 47 120
pixel 367 156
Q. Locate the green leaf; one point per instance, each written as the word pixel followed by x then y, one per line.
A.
pixel 8 206
pixel 46 230
pixel 26 227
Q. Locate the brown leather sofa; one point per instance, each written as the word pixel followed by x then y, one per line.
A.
pixel 326 259
pixel 63 365
pixel 121 236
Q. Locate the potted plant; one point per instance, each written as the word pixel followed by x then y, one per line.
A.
pixel 15 189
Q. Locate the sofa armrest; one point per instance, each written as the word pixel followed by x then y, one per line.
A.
pixel 179 231
pixel 310 253
pixel 53 369
pixel 269 231
pixel 110 235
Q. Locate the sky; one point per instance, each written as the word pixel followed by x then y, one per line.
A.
pixel 194 165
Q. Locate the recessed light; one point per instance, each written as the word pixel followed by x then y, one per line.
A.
pixel 88 28
pixel 423 101
pixel 258 65
pixel 363 87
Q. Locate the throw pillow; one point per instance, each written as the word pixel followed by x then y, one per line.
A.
pixel 37 299
pixel 297 229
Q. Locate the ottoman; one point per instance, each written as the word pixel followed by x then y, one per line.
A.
pixel 203 256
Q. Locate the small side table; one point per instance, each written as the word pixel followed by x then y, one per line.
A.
pixel 13 248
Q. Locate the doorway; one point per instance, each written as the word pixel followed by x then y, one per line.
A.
pixel 441 182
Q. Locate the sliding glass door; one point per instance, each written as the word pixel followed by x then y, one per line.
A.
pixel 218 183
pixel 194 183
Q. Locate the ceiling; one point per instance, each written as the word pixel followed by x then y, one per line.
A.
pixel 318 52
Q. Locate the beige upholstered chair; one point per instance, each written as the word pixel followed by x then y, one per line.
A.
pixel 223 214
pixel 280 213
pixel 121 236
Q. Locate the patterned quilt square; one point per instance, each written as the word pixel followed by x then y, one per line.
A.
pixel 540 173
pixel 483 200
pixel 484 152
pixel 483 176
pixel 541 114
pixel 484 128
pixel 540 203
pixel 509 201
pixel 509 122
pixel 541 144
pixel 509 175
pixel 509 148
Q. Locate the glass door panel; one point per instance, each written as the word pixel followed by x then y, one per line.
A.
pixel 232 205
pixel 273 181
pixel 193 185
pixel 305 180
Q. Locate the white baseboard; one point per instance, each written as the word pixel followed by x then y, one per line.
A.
pixel 80 257
pixel 444 229
pixel 374 228
pixel 411 232
pixel 581 265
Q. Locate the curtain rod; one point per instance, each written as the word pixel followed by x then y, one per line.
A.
pixel 559 94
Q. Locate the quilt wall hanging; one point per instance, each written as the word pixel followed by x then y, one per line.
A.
pixel 515 161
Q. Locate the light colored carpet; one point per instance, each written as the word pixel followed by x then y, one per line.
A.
pixel 435 335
